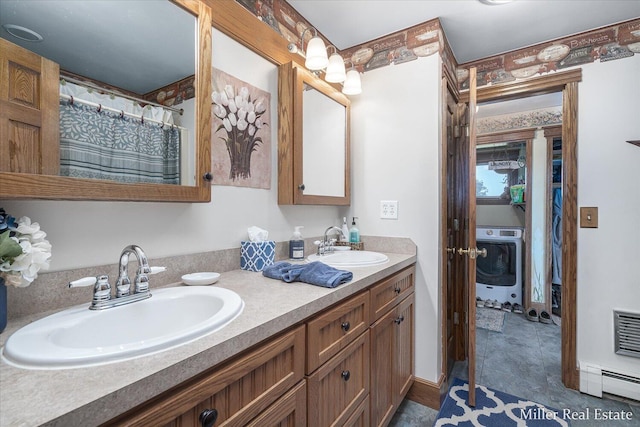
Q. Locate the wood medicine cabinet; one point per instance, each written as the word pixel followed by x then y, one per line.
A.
pixel 313 134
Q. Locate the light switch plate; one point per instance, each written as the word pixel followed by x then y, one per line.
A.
pixel 588 217
pixel 389 209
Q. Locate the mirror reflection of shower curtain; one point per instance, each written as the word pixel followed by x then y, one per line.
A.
pixel 103 145
pixel 556 231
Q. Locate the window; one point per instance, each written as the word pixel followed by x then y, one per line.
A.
pixel 492 184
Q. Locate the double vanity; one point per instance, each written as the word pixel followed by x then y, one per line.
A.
pixel 291 343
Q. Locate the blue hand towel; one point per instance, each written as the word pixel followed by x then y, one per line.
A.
pixel 315 273
pixel 320 274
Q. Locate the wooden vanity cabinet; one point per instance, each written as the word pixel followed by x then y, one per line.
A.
pixel 239 391
pixel 391 344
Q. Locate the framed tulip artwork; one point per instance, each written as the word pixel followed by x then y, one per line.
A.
pixel 241 140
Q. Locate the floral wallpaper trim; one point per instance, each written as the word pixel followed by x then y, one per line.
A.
pixel 527 119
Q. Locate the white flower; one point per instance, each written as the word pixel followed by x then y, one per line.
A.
pixel 242 124
pixel 250 107
pixel 228 89
pixel 215 97
pixel 224 100
pixel 251 117
pixel 23 269
pixel 259 122
pixel 260 107
pixel 242 114
pixel 244 93
pixel 232 119
pixel 219 111
pixel 252 130
pixel 227 124
pixel 240 103
pixel 232 106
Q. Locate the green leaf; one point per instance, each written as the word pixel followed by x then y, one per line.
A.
pixel 9 248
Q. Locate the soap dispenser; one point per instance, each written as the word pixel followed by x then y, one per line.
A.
pixel 354 233
pixel 345 230
pixel 296 244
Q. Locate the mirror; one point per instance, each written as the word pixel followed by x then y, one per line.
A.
pixel 323 144
pixel 313 150
pixel 140 57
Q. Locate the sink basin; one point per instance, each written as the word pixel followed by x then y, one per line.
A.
pixel 79 337
pixel 350 259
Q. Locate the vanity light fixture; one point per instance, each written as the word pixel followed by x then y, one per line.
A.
pixel 316 53
pixel 335 72
pixel 352 85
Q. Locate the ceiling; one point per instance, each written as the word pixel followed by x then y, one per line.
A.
pixel 474 30
pixel 141 47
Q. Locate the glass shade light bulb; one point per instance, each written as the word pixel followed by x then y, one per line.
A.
pixel 335 70
pixel 352 85
pixel 316 54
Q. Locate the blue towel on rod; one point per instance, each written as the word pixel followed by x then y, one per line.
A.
pixel 315 273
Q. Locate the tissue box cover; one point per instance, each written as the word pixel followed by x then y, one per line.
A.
pixel 255 256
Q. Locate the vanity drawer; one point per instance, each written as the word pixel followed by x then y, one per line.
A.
pixel 238 391
pixel 339 386
pixel 332 331
pixel 390 291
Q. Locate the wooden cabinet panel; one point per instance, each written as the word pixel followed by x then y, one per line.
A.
pixel 333 330
pixel 238 391
pixel 29 112
pixel 391 361
pixel 340 385
pixel 391 291
pixel 360 417
pixel 289 411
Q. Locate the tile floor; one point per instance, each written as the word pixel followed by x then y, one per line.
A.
pixel 523 360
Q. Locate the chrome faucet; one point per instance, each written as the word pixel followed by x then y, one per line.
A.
pixel 327 245
pixel 141 281
pixel 102 297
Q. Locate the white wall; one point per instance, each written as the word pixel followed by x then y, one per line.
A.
pixel 538 205
pixel 500 215
pixel 609 115
pixel 395 143
pixel 85 234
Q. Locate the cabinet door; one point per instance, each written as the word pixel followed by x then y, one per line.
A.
pixel 238 391
pixel 391 361
pixel 330 332
pixel 340 385
pixel 360 417
pixel 29 118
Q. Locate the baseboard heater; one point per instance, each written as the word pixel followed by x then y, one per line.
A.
pixel 595 380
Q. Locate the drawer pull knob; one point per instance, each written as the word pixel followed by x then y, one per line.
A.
pixel 208 417
pixel 346 375
pixel 399 320
pixel 397 290
pixel 345 326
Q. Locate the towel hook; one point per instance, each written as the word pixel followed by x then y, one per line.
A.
pixel 71 102
pixel 99 107
pixel 122 114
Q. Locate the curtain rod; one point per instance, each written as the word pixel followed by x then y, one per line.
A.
pixel 100 107
pixel 122 95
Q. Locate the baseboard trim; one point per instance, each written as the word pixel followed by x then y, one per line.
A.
pixel 428 393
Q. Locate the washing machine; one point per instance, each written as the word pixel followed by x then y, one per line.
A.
pixel 499 274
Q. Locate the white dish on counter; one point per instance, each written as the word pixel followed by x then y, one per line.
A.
pixel 199 279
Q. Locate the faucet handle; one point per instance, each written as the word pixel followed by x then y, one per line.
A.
pixel 156 270
pixel 101 286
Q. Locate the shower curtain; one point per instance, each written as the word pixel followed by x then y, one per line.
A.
pixel 104 145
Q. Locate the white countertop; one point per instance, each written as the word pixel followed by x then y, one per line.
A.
pixel 91 396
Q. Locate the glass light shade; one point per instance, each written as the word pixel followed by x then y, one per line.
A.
pixel 316 54
pixel 335 70
pixel 352 85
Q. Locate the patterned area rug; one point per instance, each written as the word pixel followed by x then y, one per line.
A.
pixel 495 409
pixel 490 318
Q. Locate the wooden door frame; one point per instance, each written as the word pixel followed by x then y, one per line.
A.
pixel 567 83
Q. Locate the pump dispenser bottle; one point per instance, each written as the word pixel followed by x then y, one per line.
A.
pixel 345 230
pixel 296 244
pixel 354 233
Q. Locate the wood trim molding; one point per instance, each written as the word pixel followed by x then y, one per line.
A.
pixel 537 85
pixel 570 375
pixel 428 393
pixel 508 136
